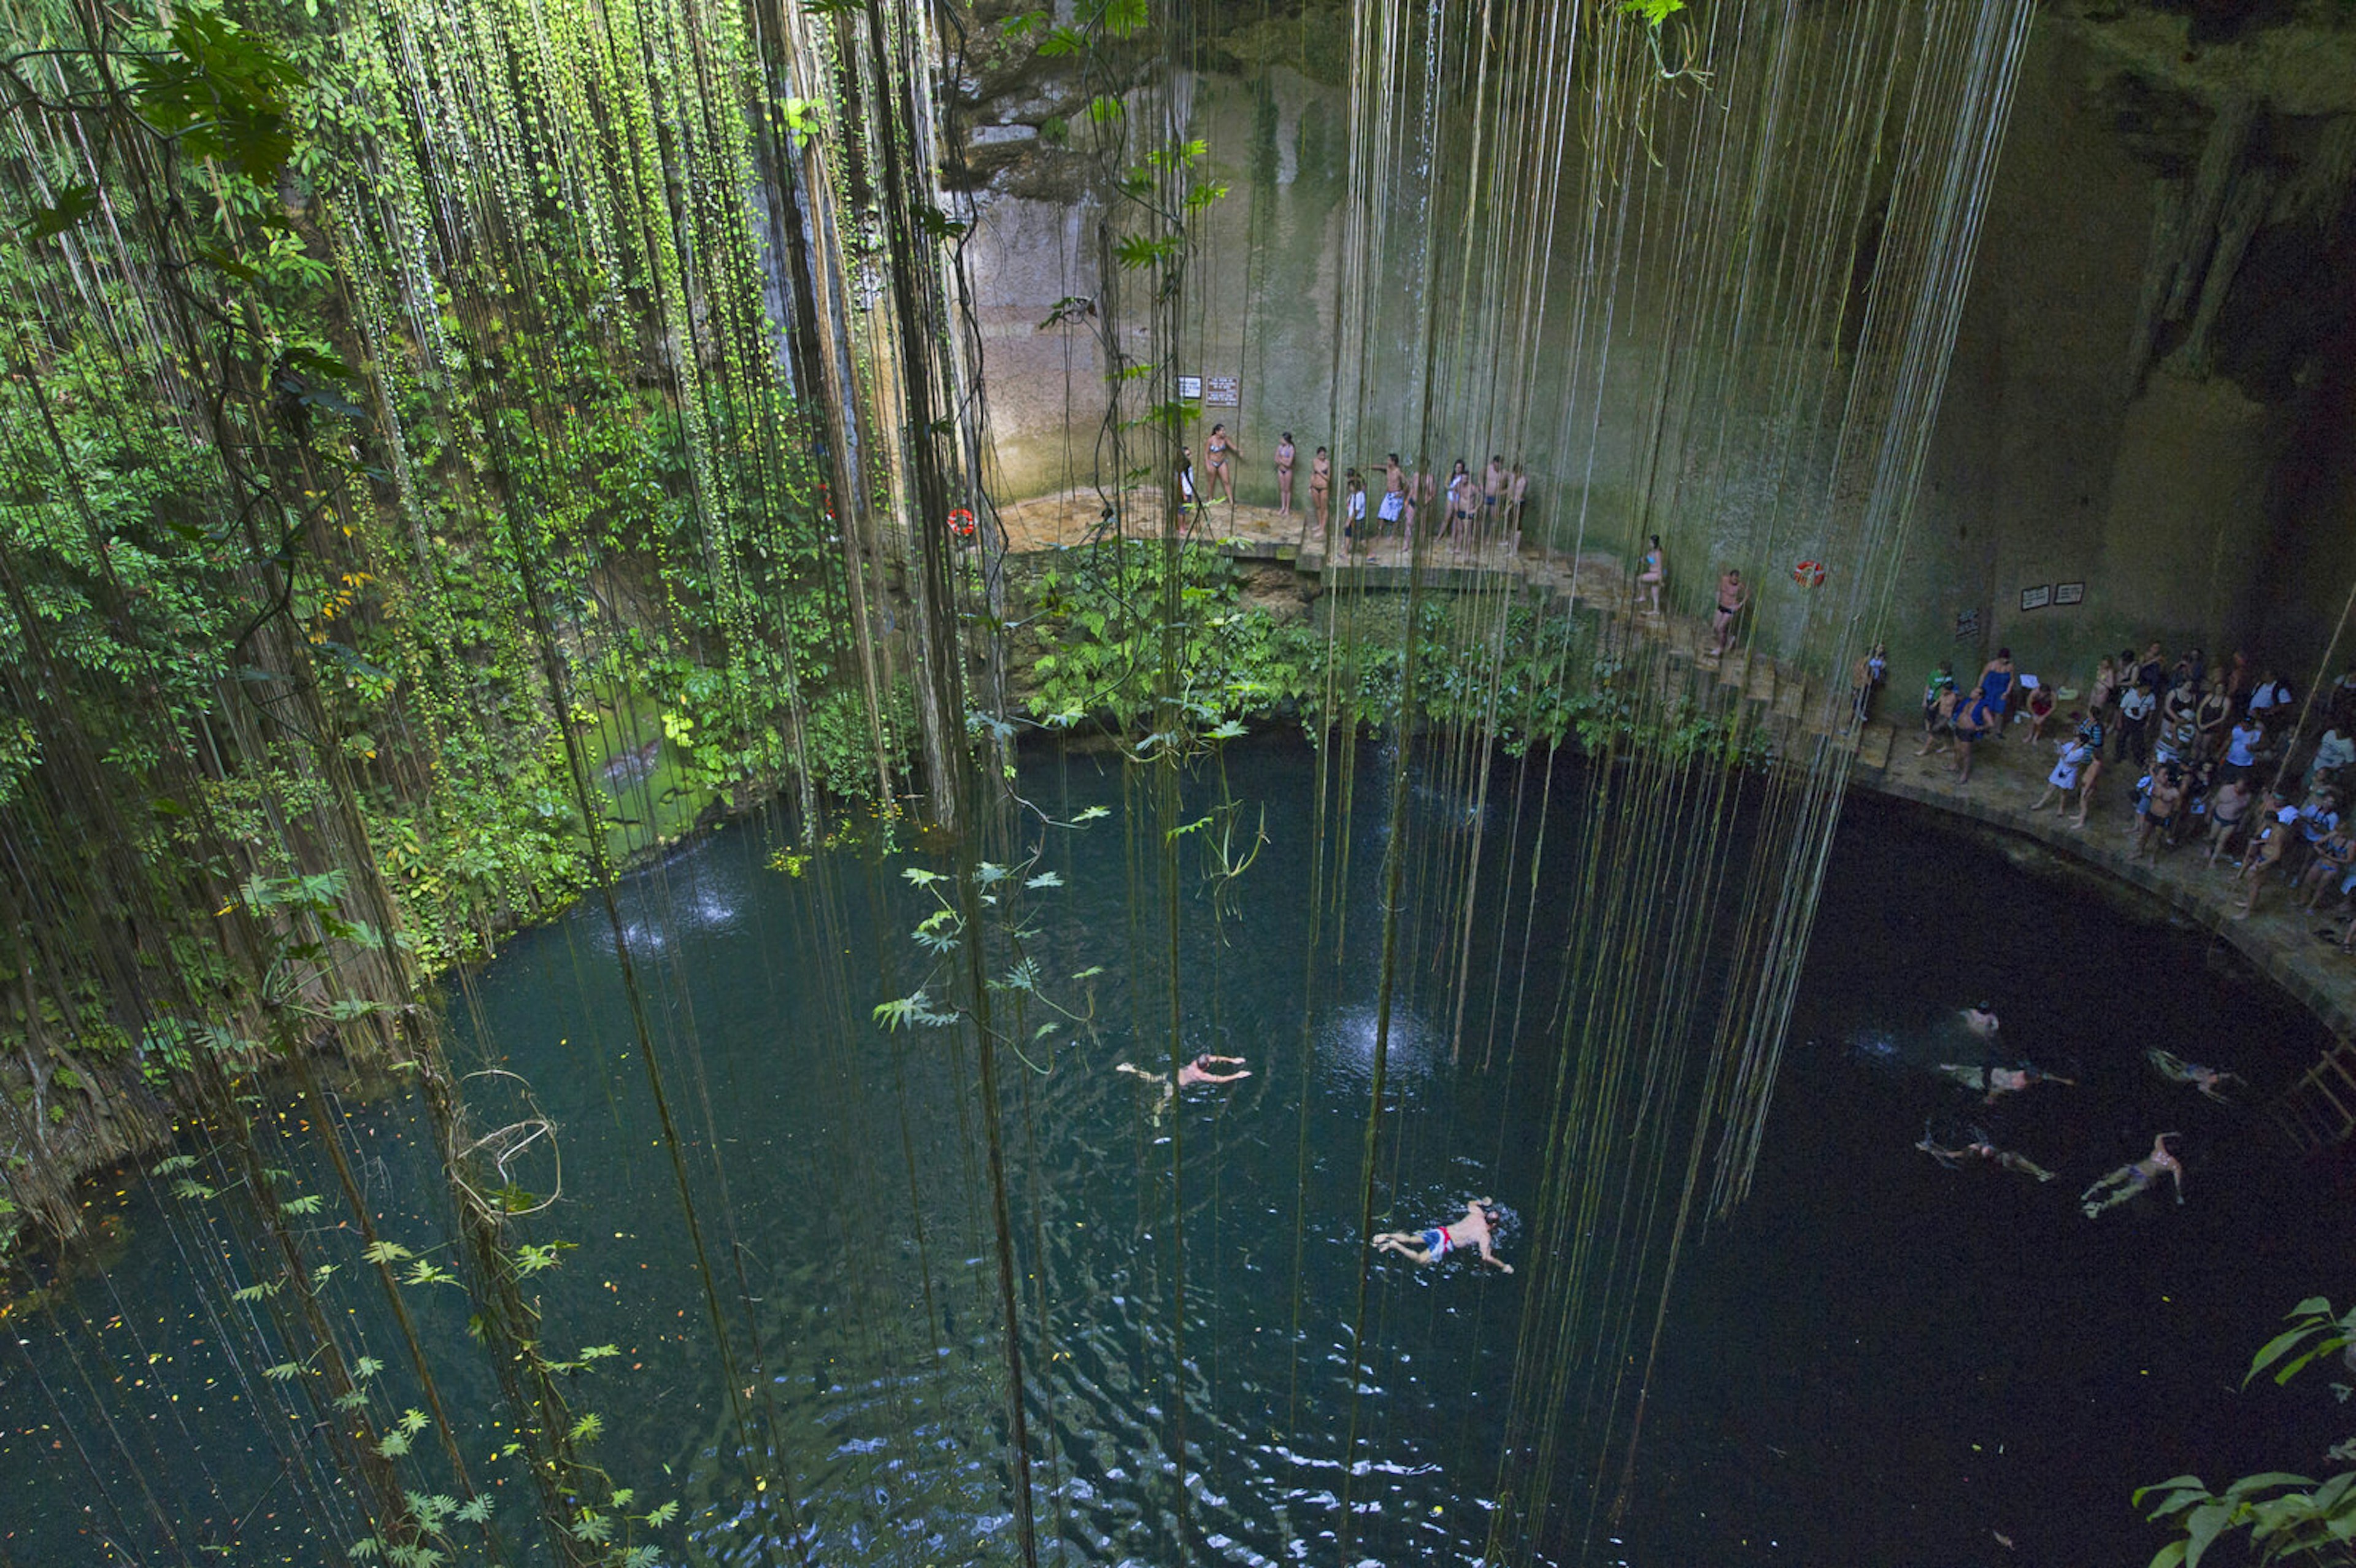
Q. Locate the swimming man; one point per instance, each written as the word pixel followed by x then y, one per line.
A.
pixel 1475 1231
pixel 2131 1179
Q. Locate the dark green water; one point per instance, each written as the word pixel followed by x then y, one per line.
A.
pixel 1878 1361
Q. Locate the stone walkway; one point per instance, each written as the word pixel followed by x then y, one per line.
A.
pixel 2007 775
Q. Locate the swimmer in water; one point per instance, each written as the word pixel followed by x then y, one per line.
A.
pixel 1980 1019
pixel 1475 1231
pixel 1979 1148
pixel 2131 1179
pixel 1999 1081
pixel 2208 1080
pixel 1195 1071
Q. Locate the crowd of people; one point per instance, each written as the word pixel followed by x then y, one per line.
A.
pixel 2222 762
pixel 1463 509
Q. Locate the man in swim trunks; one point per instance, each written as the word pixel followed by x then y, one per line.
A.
pixel 1475 1231
pixel 1493 490
pixel 2159 809
pixel 2131 1179
pixel 1732 597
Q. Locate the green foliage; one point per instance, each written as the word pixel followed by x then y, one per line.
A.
pixel 1652 13
pixel 2286 1517
pixel 1099 636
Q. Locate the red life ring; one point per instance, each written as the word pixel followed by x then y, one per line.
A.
pixel 962 523
pixel 1809 574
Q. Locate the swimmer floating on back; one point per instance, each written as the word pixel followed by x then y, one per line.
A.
pixel 2208 1080
pixel 1979 1148
pixel 2131 1179
pixel 1475 1231
pixel 1999 1081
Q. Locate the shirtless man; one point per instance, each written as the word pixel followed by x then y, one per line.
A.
pixel 1427 490
pixel 1979 1148
pixel 2159 809
pixel 1284 455
pixel 1396 507
pixel 1517 496
pixel 1475 1231
pixel 1733 595
pixel 2208 1080
pixel 1220 448
pixel 1195 1071
pixel 1493 491
pixel 1981 1020
pixel 2131 1179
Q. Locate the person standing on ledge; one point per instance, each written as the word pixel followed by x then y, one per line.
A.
pixel 1732 597
pixel 1320 482
pixel 1224 453
pixel 1284 455
pixel 1353 510
pixel 2131 1179
pixel 1475 1231
pixel 1656 575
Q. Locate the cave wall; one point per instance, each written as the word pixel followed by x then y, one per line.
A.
pixel 2195 473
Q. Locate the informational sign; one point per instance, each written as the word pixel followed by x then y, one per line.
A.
pixel 2037 598
pixel 1190 386
pixel 1223 391
pixel 1967 625
pixel 2069 594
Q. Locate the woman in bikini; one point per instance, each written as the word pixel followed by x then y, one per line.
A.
pixel 1284 453
pixel 1321 480
pixel 1656 575
pixel 1475 1232
pixel 1461 504
pixel 1222 451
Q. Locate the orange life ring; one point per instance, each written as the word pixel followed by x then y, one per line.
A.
pixel 962 523
pixel 1809 574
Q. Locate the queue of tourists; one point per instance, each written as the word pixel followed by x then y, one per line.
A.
pixel 1463 509
pixel 2219 762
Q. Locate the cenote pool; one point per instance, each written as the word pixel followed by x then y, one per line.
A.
pixel 1878 1361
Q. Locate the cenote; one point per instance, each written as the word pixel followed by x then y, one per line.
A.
pixel 1876 1359
pixel 823 782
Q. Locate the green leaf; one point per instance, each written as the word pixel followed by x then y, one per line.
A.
pixel 2205 1523
pixel 1061 42
pixel 1045 880
pixel 476 1510
pixel 2274 1349
pixel 2168 1556
pixel 660 1517
pixel 284 1370
pixel 74 203
pixel 588 1428
pixel 386 1252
